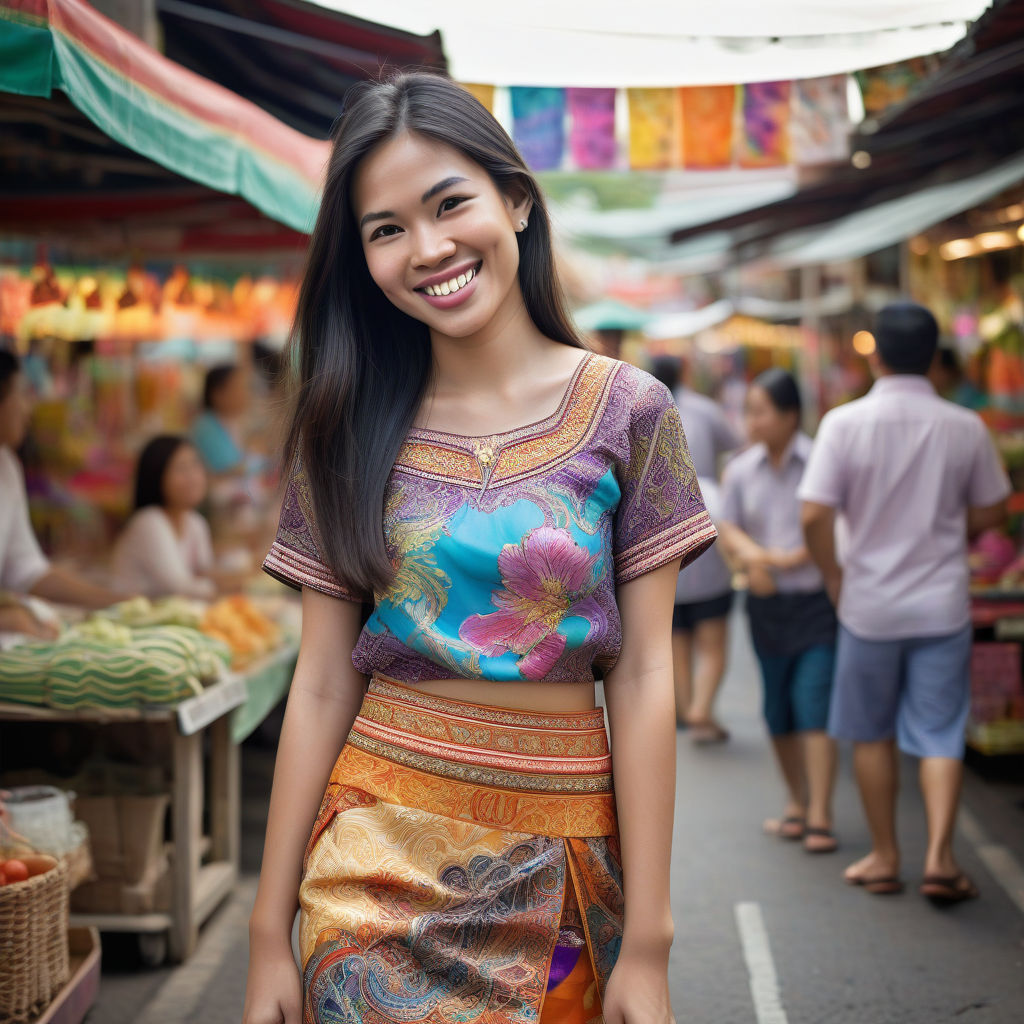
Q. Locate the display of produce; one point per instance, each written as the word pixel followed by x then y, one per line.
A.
pixel 101 663
pixel 25 866
pixel 140 611
pixel 242 626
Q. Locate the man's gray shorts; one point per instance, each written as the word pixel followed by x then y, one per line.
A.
pixel 915 690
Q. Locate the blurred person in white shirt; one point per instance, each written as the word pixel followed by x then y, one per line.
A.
pixel 24 569
pixel 166 547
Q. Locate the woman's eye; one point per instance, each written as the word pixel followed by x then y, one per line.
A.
pixel 385 231
pixel 450 203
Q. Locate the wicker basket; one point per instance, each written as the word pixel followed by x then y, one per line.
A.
pixel 33 944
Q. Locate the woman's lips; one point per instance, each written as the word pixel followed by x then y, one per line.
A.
pixel 456 298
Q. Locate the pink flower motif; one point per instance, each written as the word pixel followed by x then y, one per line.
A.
pixel 546 578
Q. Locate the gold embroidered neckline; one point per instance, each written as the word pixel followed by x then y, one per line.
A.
pixel 485 446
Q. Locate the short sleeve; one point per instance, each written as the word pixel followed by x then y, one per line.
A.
pixel 731 505
pixel 823 479
pixel 295 556
pixel 661 516
pixel 726 438
pixel 988 483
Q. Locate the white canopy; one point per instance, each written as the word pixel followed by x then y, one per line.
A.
pixel 672 42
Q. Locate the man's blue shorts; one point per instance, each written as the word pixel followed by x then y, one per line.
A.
pixel 915 690
pixel 797 688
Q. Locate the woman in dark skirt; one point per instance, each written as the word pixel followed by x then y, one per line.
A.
pixel 792 622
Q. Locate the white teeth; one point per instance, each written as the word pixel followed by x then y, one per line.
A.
pixel 453 285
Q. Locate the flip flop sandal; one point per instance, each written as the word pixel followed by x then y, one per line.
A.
pixel 704 734
pixel 947 889
pixel 775 827
pixel 883 885
pixel 821 833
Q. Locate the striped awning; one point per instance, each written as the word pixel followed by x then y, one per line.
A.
pixel 157 108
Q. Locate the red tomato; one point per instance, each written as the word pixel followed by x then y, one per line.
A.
pixel 15 871
pixel 3 877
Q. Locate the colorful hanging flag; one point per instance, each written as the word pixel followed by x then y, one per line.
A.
pixel 707 115
pixel 483 93
pixel 653 115
pixel 538 125
pixel 820 127
pixel 883 86
pixel 592 131
pixel 765 137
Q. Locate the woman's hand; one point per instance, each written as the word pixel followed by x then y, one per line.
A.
pixel 273 989
pixel 637 991
pixel 761 580
pixel 16 618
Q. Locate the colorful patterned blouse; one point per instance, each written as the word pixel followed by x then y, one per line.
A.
pixel 508 548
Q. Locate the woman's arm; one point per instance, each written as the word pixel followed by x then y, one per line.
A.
pixel 738 546
pixel 64 587
pixel 641 711
pixel 324 699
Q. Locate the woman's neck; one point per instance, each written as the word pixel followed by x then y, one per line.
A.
pixel 480 363
pixel 777 452
pixel 177 516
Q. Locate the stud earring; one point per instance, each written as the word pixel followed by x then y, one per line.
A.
pixel 522 225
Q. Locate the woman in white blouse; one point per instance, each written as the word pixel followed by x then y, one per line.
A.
pixel 166 547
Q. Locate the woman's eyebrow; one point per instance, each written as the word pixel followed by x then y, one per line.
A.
pixel 440 187
pixel 425 198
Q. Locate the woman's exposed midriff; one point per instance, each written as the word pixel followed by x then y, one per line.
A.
pixel 522 696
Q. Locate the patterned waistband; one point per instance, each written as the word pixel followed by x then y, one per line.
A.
pixel 528 770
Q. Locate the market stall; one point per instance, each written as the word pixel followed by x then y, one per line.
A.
pixel 197 681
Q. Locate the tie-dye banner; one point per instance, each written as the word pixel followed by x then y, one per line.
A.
pixel 820 128
pixel 483 93
pixel 707 114
pixel 538 125
pixel 592 135
pixel 652 128
pixel 766 113
pixel 889 84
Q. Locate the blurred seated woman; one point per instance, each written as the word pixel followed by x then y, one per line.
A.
pixel 166 547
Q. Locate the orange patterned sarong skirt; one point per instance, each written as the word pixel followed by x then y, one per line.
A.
pixel 464 866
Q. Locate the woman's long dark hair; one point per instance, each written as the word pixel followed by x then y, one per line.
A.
pixel 364 365
pixel 149 477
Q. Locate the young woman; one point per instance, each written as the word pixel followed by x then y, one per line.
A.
pixel 166 546
pixel 792 621
pixel 513 509
pixel 218 428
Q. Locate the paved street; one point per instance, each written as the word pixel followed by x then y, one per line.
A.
pixel 765 934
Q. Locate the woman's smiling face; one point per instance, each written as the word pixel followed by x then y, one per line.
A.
pixel 438 235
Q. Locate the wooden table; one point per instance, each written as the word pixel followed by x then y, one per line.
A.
pixel 197 888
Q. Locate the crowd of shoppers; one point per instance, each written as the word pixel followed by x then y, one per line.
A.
pixel 870 644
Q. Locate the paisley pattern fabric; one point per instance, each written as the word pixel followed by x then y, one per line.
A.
pixel 467 885
pixel 507 549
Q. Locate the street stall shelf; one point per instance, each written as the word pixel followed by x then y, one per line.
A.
pixel 204 867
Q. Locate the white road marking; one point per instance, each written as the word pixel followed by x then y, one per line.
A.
pixel 757 951
pixel 1002 865
pixel 176 1001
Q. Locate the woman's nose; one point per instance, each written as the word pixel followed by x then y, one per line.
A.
pixel 432 247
